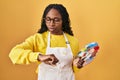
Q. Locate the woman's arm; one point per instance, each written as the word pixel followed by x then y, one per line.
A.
pixel 24 53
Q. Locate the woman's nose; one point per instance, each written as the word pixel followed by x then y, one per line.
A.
pixel 52 22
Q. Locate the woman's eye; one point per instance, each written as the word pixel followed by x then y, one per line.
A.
pixel 48 19
pixel 56 20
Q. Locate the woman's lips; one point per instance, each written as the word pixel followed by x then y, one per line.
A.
pixel 52 29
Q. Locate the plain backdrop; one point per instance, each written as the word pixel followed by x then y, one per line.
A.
pixel 91 20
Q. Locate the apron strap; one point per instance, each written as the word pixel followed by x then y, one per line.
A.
pixel 66 41
pixel 48 42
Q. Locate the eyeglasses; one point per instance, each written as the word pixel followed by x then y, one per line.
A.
pixel 55 20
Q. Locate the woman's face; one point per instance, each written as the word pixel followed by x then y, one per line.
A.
pixel 53 21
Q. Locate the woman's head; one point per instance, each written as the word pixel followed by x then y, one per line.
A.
pixel 55 15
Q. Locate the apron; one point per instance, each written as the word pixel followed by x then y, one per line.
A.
pixel 63 69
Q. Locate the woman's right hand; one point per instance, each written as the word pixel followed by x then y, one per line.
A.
pixel 48 59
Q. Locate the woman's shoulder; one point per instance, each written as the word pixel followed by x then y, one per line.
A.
pixel 71 38
pixel 37 36
pixel 41 35
pixel 74 42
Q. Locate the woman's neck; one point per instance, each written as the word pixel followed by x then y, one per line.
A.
pixel 57 33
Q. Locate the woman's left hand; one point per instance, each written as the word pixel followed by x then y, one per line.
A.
pixel 78 62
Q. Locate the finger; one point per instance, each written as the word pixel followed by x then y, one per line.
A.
pixel 79 65
pixel 54 59
pixel 46 62
pixel 81 62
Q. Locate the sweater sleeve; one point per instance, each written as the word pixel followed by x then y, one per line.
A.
pixel 24 53
pixel 76 50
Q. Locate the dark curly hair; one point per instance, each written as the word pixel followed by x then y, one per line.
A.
pixel 65 18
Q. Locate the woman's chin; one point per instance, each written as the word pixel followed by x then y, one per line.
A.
pixel 52 31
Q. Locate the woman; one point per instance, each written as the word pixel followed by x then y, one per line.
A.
pixel 54 46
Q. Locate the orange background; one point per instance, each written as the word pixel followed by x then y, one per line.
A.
pixel 91 20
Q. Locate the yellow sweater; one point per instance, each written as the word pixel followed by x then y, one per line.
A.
pixel 28 51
